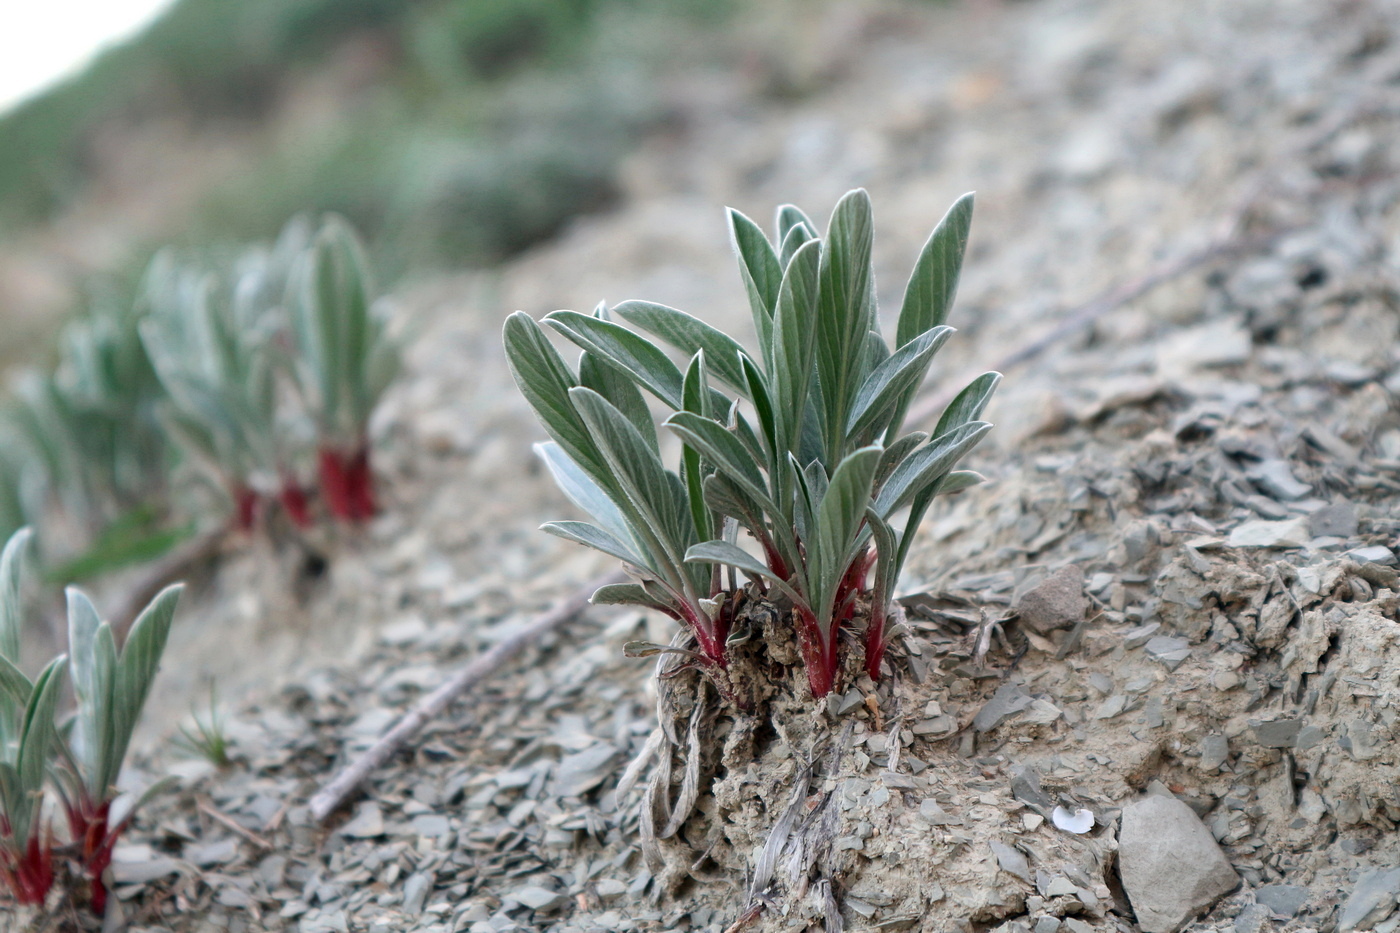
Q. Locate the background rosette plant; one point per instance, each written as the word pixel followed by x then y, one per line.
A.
pixel 798 443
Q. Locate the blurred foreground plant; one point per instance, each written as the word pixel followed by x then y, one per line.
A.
pixel 84 757
pixel 806 455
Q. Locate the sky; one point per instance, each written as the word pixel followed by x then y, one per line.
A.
pixel 43 41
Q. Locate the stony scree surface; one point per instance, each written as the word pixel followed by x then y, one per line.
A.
pixel 1219 459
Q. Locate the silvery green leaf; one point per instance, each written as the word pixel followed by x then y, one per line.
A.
pixel 695 395
pixel 895 453
pixel 794 342
pixel 969 403
pixel 545 382
pixel 618 388
pixel 789 217
pixel 722 552
pixel 760 271
pixel 926 465
pixel 893 383
pixel 11 606
pixel 582 491
pixel 631 353
pixel 843 314
pixel 689 335
pixel 794 240
pixel 934 282
pixel 630 594
pixel 839 517
pixel 596 538
pixel 728 454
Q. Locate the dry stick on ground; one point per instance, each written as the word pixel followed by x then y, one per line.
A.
pixel 330 797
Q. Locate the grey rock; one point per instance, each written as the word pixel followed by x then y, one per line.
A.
pixel 582 771
pixel 367 822
pixel 1308 736
pixel 1278 733
pixel 1171 868
pixel 1251 918
pixel 430 824
pixel 1047 925
pixel 930 812
pixel 610 889
pixel 1025 787
pixel 1169 650
pixel 1137 637
pixel 1012 861
pixel 1337 520
pixel 1292 533
pixel 537 898
pixel 1285 900
pixel 1056 602
pixel 1215 750
pixel 1276 479
pixel 415 892
pixel 1379 554
pixel 1009 700
pixel 1371 900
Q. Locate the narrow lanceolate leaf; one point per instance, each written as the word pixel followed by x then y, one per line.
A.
pixel 934 281
pixel 14 694
pixel 695 396
pixel 763 409
pixel 690 335
pixel 959 480
pixel 952 482
pixel 618 388
pixel 656 495
pixel 792 241
pixel 790 217
pixel 926 465
pixel 760 270
pixel 893 383
pixel 598 539
pixel 839 517
pixel 722 552
pixel 37 730
pixel 11 609
pixel 545 382
pixel 728 454
pixel 582 491
pixel 843 313
pixel 794 342
pixel 969 403
pixel 895 453
pixel 630 594
pixel 632 353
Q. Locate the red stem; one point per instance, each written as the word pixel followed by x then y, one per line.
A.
pixel 362 500
pixel 335 483
pixel 818 653
pixel 31 876
pixel 875 640
pixel 89 827
pixel 293 498
pixel 245 503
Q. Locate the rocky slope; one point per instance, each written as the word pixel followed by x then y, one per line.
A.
pixel 1174 605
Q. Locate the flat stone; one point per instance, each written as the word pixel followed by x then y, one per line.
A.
pixel 367 822
pixel 1009 700
pixel 1285 900
pixel 1025 787
pixel 213 853
pixel 1012 861
pixel 430 824
pixel 1215 750
pixel 1056 602
pixel 1276 479
pixel 931 812
pixel 1379 554
pixel 1278 733
pixel 1293 533
pixel 1137 637
pixel 144 871
pixel 1337 520
pixel 1371 900
pixel 415 892
pixel 610 889
pixel 1169 650
pixel 537 898
pixel 1171 867
pixel 1046 925
pixel 1251 918
pixel 582 771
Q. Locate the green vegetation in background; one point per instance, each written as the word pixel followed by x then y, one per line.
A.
pixel 488 126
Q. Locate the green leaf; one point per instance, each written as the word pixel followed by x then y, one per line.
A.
pixel 545 381
pixel 895 453
pixel 959 480
pixel 790 217
pixel 598 539
pixel 927 464
pixel 728 454
pixel 969 403
pixel 792 241
pixel 618 388
pixel 695 395
pixel 689 335
pixel 630 352
pixel 630 594
pixel 760 270
pixel 893 383
pixel 934 281
pixel 582 491
pixel 763 408
pixel 794 343
pixel 722 552
pixel 843 314
pixel 839 518
pixel 11 607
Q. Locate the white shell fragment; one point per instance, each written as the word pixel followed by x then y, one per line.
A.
pixel 1079 822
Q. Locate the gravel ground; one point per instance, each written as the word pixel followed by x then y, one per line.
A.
pixel 1174 606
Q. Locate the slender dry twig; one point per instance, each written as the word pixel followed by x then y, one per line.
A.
pixel 334 793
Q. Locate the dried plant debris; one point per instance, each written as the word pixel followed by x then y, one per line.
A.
pixel 1253 679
